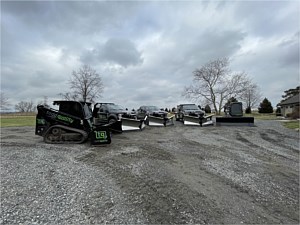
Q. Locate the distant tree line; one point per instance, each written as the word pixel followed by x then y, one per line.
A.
pixel 4 102
pixel 214 83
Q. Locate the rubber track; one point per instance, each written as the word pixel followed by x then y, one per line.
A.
pixel 83 133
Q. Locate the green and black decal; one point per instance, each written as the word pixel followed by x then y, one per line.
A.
pixel 101 135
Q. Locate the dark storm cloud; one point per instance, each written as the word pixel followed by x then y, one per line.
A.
pixel 145 51
pixel 121 51
pixel 116 50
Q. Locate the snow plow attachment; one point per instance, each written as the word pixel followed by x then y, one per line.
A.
pixel 198 120
pixel 115 127
pixel 235 121
pixel 235 117
pixel 158 121
pixel 132 124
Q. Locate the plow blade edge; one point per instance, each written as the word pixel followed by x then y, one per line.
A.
pixel 158 121
pixel 132 124
pixel 197 121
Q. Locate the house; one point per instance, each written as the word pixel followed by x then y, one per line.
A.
pixel 290 105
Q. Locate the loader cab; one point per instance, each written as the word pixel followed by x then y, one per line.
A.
pixel 74 108
pixel 236 109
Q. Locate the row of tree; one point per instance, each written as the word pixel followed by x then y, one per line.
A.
pixel 214 84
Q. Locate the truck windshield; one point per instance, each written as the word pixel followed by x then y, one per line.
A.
pixel 190 107
pixel 152 108
pixel 116 107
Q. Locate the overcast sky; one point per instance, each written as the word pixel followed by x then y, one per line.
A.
pixel 145 51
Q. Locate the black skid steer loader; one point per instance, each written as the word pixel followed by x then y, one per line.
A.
pixel 72 122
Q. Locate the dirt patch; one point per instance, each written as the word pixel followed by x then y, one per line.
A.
pixel 169 175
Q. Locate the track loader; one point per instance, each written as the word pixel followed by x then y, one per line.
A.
pixel 234 116
pixel 71 123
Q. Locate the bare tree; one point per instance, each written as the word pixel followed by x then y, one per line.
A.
pixel 4 103
pixel 86 85
pixel 25 106
pixel 69 96
pixel 215 83
pixel 43 102
pixel 251 96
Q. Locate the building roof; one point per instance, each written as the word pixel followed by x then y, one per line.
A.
pixel 292 100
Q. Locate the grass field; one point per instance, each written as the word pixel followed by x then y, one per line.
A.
pixel 263 116
pixel 292 124
pixel 17 121
pixel 20 120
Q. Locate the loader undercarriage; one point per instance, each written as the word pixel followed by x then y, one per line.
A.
pixel 62 134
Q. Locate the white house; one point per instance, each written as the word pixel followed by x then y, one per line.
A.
pixel 290 105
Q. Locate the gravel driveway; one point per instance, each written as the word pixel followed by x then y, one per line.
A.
pixel 171 175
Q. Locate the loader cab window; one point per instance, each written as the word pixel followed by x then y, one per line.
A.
pixel 72 108
pixel 236 109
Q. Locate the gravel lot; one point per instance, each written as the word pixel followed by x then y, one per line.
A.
pixel 172 175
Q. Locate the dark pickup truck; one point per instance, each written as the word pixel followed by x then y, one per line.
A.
pixel 110 113
pixel 188 109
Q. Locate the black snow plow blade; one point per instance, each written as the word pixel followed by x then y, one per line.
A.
pixel 115 127
pixel 235 121
pixel 161 122
pixel 132 124
pixel 198 121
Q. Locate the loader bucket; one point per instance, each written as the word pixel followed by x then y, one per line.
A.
pixel 158 121
pixel 132 124
pixel 197 121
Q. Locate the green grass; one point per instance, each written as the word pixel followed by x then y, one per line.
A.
pixel 17 121
pixel 262 116
pixel 291 124
pixel 258 116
